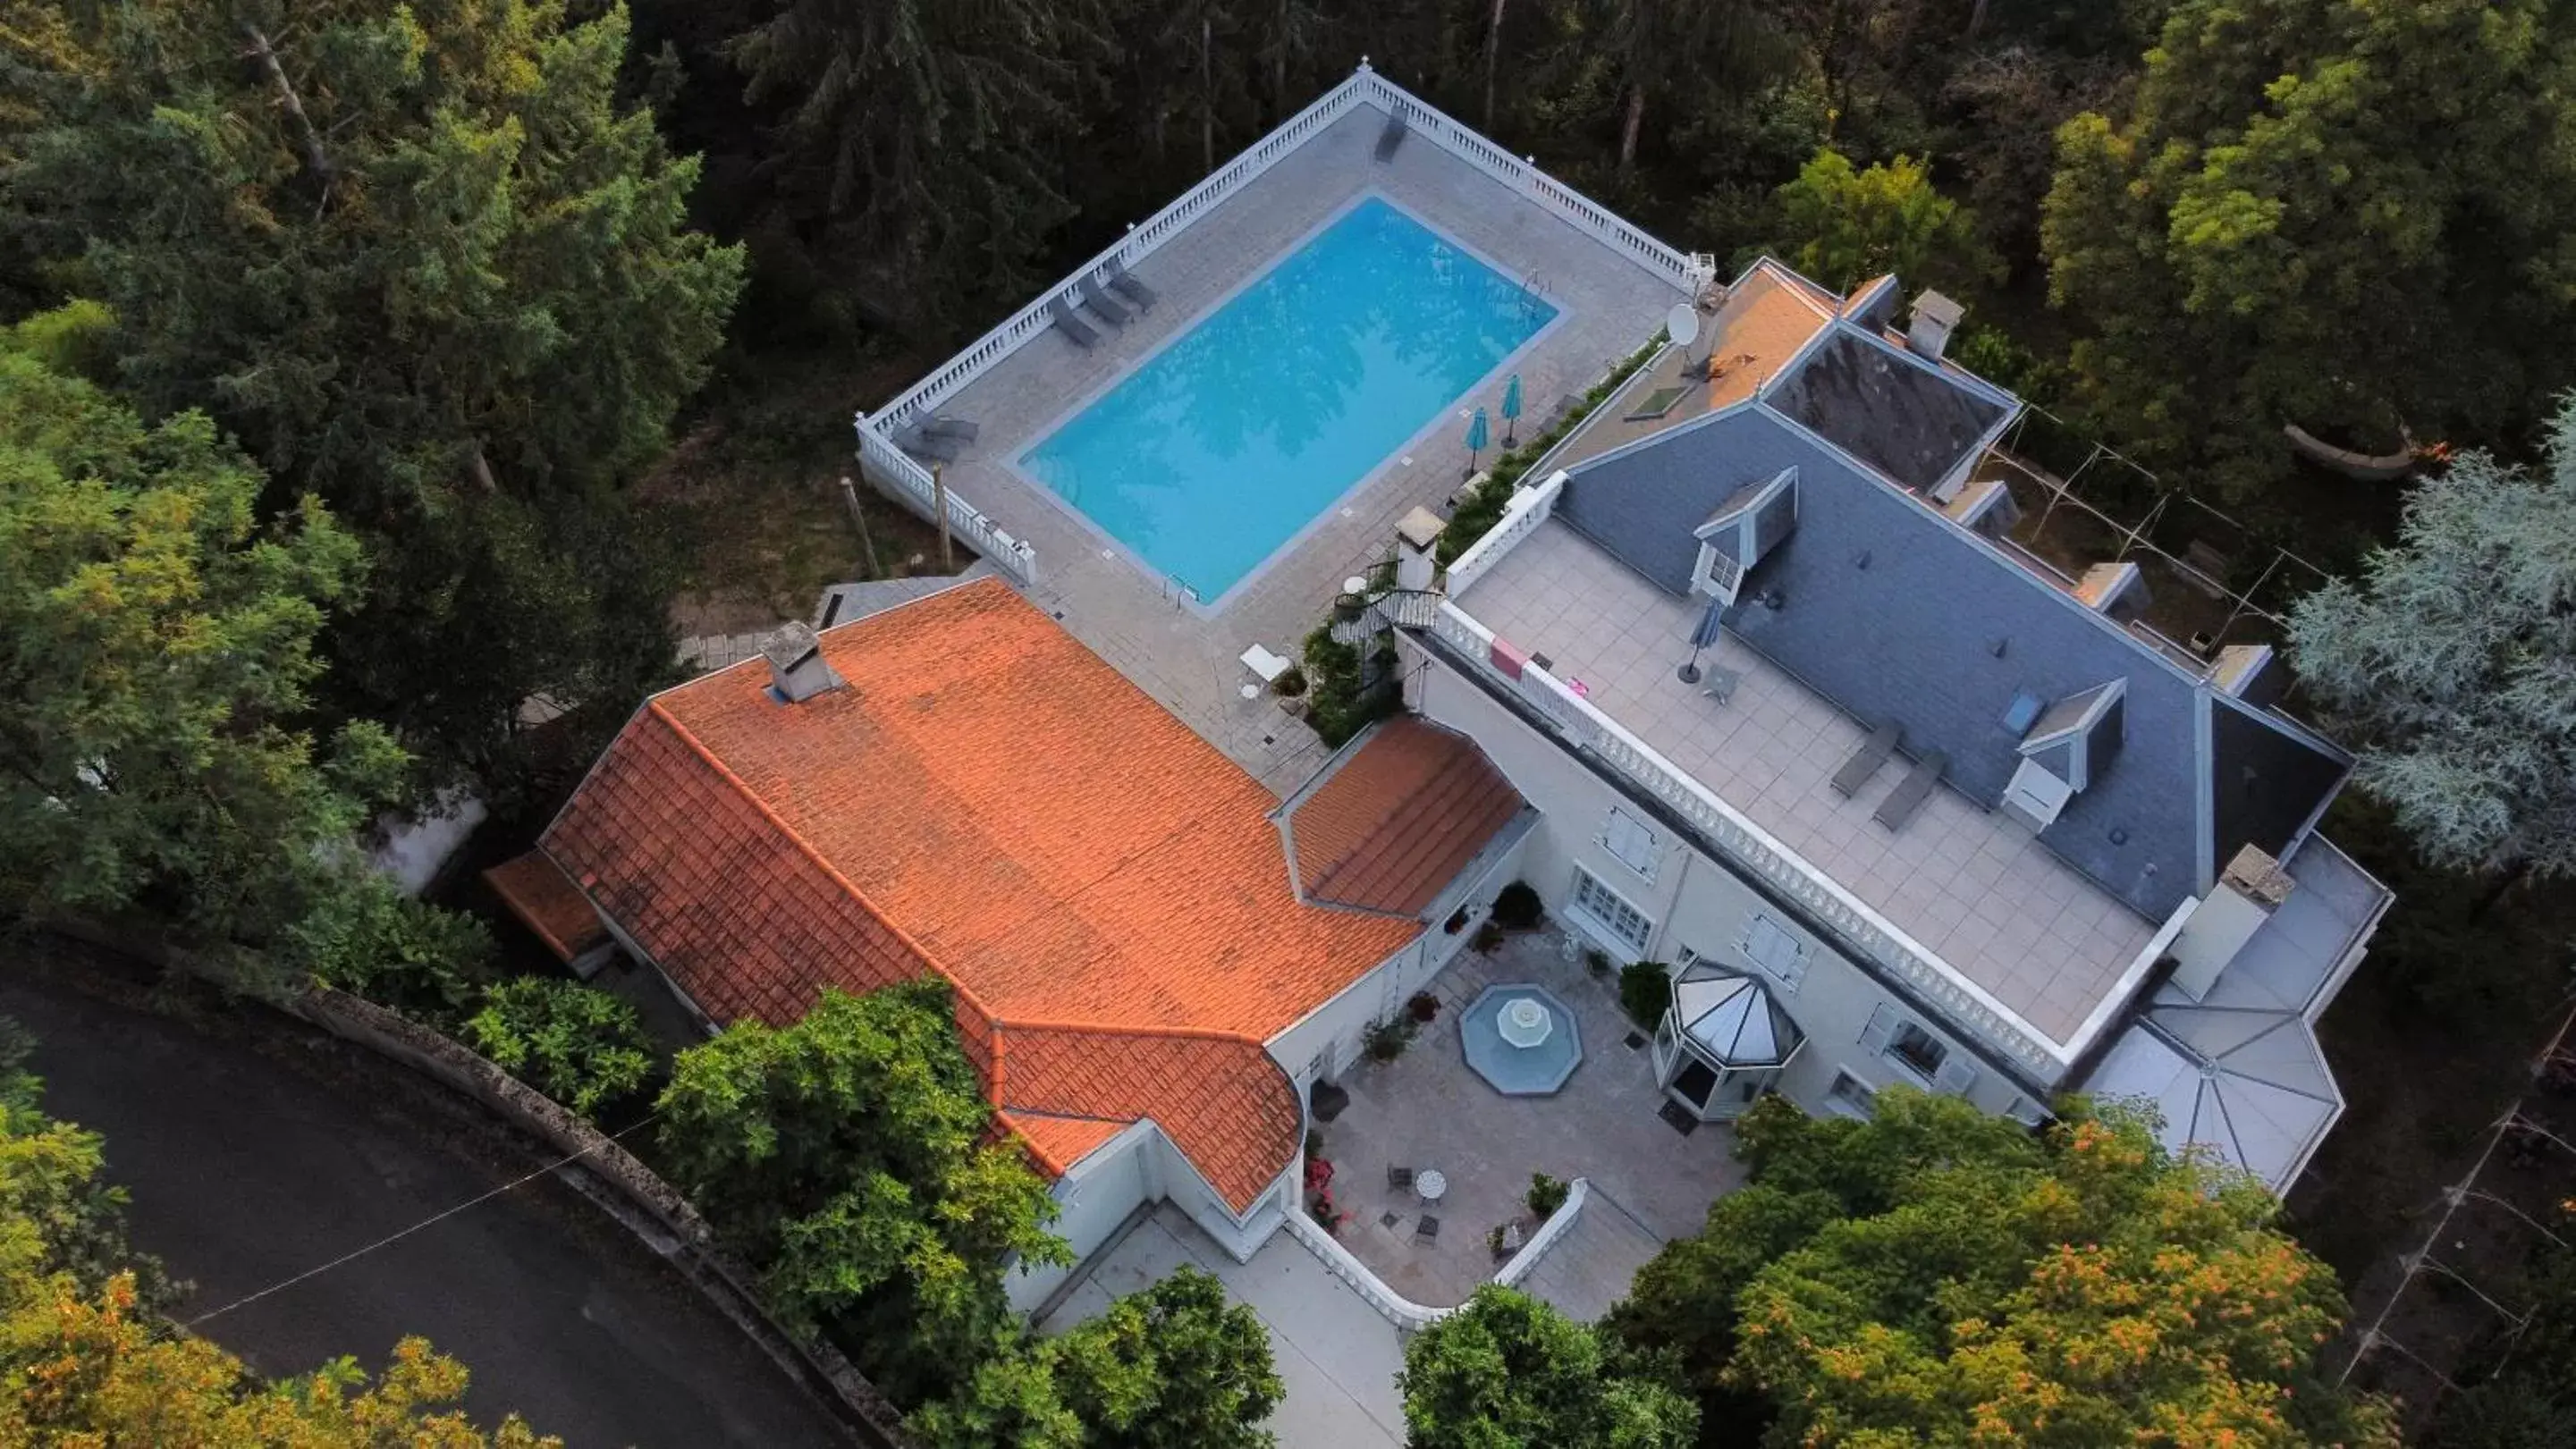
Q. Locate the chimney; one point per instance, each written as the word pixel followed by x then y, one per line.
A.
pixel 797 671
pixel 1417 534
pixel 2244 671
pixel 2253 886
pixel 1935 318
pixel 2116 589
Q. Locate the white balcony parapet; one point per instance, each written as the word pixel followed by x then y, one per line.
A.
pixel 1403 1312
pixel 1969 1006
pixel 899 473
pixel 1529 507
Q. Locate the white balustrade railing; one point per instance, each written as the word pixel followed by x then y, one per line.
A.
pixel 1403 1312
pixel 1529 507
pixel 901 474
pixel 1968 1005
pixel 1558 1224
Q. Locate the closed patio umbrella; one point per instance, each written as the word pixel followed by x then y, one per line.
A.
pixel 1477 437
pixel 1711 624
pixel 1511 408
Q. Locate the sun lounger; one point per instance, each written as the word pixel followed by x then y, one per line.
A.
pixel 1392 136
pixel 958 428
pixel 1125 283
pixel 1101 302
pixel 1264 663
pixel 1912 791
pixel 922 443
pixel 1864 762
pixel 1071 325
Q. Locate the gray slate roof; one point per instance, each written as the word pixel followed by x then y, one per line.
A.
pixel 1893 612
pixel 1910 421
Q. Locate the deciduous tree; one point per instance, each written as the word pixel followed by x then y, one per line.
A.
pixel 1508 1370
pixel 2453 658
pixel 2353 218
pixel 578 1044
pixel 848 1156
pixel 1843 226
pixel 429 269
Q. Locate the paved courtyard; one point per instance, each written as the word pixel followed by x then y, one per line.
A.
pixel 1336 1355
pixel 1426 1109
pixel 1609 306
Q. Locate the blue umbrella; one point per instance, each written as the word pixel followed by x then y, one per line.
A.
pixel 1511 407
pixel 1711 624
pixel 1477 437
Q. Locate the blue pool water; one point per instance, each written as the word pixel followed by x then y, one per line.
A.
pixel 1222 446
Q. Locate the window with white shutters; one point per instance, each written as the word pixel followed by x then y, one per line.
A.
pixel 1609 912
pixel 1850 1096
pixel 1905 1044
pixel 1781 956
pixel 1631 841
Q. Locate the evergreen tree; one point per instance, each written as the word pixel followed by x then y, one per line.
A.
pixel 2454 659
pixel 2349 218
pixel 422 262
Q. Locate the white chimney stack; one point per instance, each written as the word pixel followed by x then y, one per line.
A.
pixel 797 669
pixel 2253 887
pixel 1935 318
pixel 1417 536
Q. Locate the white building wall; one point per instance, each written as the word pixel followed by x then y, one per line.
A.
pixel 1091 1201
pixel 1691 900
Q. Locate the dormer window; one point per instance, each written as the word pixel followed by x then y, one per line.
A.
pixel 1748 525
pixel 2070 743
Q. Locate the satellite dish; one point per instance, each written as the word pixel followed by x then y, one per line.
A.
pixel 1682 324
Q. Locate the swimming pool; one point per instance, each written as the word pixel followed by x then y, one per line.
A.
pixel 1222 447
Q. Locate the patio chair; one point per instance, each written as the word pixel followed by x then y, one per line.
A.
pixel 1721 683
pixel 1399 1179
pixel 958 428
pixel 1126 284
pixel 1425 1230
pixel 1392 136
pixel 1866 760
pixel 1099 300
pixel 1912 791
pixel 1084 335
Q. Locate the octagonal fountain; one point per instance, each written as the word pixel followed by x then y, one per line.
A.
pixel 1521 1040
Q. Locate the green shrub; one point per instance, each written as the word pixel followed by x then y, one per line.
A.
pixel 577 1044
pixel 1546 1195
pixel 1517 907
pixel 364 936
pixel 1386 1040
pixel 1645 991
pixel 1481 507
pixel 1337 705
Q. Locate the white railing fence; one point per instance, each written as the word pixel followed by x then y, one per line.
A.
pixel 1529 507
pixel 1403 1312
pixel 900 474
pixel 1967 1004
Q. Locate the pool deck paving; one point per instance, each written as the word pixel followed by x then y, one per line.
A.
pixel 1144 624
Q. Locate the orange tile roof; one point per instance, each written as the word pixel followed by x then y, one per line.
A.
pixel 541 896
pixel 1398 818
pixel 1059 1142
pixel 1761 327
pixel 991 801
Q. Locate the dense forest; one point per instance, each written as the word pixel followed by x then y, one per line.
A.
pixel 383 387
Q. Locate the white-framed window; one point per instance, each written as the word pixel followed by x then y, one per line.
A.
pixel 1905 1043
pixel 1609 912
pixel 1780 955
pixel 1849 1096
pixel 1631 841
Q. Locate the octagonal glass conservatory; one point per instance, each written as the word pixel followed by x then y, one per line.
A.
pixel 1723 1042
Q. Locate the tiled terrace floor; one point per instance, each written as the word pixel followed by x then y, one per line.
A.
pixel 1191 664
pixel 1974 886
pixel 1427 1109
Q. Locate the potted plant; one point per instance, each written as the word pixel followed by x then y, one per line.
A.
pixel 1488 936
pixel 1546 1195
pixel 1291 682
pixel 1517 907
pixel 1422 1007
pixel 1596 962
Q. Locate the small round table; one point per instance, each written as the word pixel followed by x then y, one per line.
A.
pixel 1430 1185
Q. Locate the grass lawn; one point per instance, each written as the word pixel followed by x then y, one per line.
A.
pixel 754 479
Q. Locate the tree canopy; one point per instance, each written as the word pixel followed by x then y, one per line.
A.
pixel 1174 1366
pixel 848 1156
pixel 429 269
pixel 1843 226
pixel 2351 218
pixel 2453 658
pixel 1939 1274
pixel 1508 1370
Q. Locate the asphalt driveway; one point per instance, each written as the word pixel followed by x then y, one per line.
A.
pixel 252 1158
